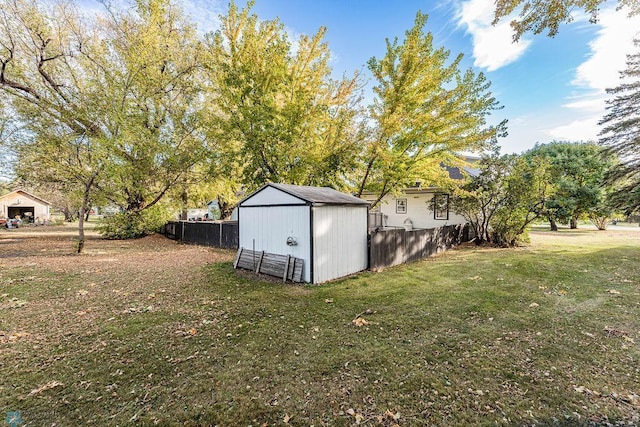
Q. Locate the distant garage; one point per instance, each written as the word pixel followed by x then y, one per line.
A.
pixel 28 207
pixel 324 228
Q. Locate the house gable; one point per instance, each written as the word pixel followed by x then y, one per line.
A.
pixel 21 193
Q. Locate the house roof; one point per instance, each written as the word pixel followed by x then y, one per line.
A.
pixel 317 195
pixel 456 173
pixel 26 193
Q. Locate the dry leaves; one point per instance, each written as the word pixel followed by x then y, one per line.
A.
pixel 359 321
pixel 4 338
pixel 48 386
pixel 358 417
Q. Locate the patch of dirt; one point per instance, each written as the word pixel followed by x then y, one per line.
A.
pixel 53 248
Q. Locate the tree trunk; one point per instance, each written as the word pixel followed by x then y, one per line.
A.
pixel 226 209
pixel 80 229
pixel 552 223
pixel 85 201
pixel 69 214
pixel 573 224
pixel 184 215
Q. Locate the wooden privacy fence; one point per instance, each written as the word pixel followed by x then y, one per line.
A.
pixel 219 234
pixel 389 247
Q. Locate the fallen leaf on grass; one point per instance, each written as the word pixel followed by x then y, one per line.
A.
pixel 359 418
pixel 614 332
pixel 16 303
pixel 359 321
pixel 394 416
pixel 82 292
pixel 534 305
pixel 48 386
pixel 286 418
pixel 582 389
pixel 329 300
pixel 13 337
pixel 613 291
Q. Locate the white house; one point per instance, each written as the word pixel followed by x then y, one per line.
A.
pixel 419 207
pixel 29 207
pixel 322 226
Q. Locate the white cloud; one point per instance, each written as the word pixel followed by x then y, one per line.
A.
pixel 493 47
pixel 205 13
pixel 612 42
pixel 584 129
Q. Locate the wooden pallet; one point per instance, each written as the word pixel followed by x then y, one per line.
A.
pixel 285 266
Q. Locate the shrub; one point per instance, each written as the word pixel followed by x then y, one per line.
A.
pixel 132 225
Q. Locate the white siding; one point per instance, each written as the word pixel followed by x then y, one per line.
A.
pixel 419 211
pixel 271 225
pixel 339 241
pixel 272 196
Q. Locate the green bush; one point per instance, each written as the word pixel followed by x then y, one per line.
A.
pixel 132 225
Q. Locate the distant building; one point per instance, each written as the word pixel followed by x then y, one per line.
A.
pixel 28 207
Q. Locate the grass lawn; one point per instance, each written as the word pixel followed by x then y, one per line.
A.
pixel 150 332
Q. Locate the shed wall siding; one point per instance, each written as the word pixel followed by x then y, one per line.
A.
pixel 419 211
pixel 271 225
pixel 339 241
pixel 272 196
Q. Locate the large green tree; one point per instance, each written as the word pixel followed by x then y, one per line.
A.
pixel 621 135
pixel 503 199
pixel 122 86
pixel 274 107
pixel 425 109
pixel 539 16
pixel 577 173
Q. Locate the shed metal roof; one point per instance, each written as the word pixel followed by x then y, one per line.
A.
pixel 317 195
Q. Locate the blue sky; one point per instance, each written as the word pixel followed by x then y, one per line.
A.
pixel 550 88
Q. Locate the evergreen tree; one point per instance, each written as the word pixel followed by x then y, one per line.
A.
pixel 621 135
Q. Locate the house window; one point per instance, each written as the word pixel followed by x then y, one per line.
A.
pixel 440 206
pixel 401 206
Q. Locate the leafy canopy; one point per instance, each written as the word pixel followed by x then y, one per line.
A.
pixel 273 106
pixel 425 109
pixel 539 16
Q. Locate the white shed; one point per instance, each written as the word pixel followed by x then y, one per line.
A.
pixel 322 226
